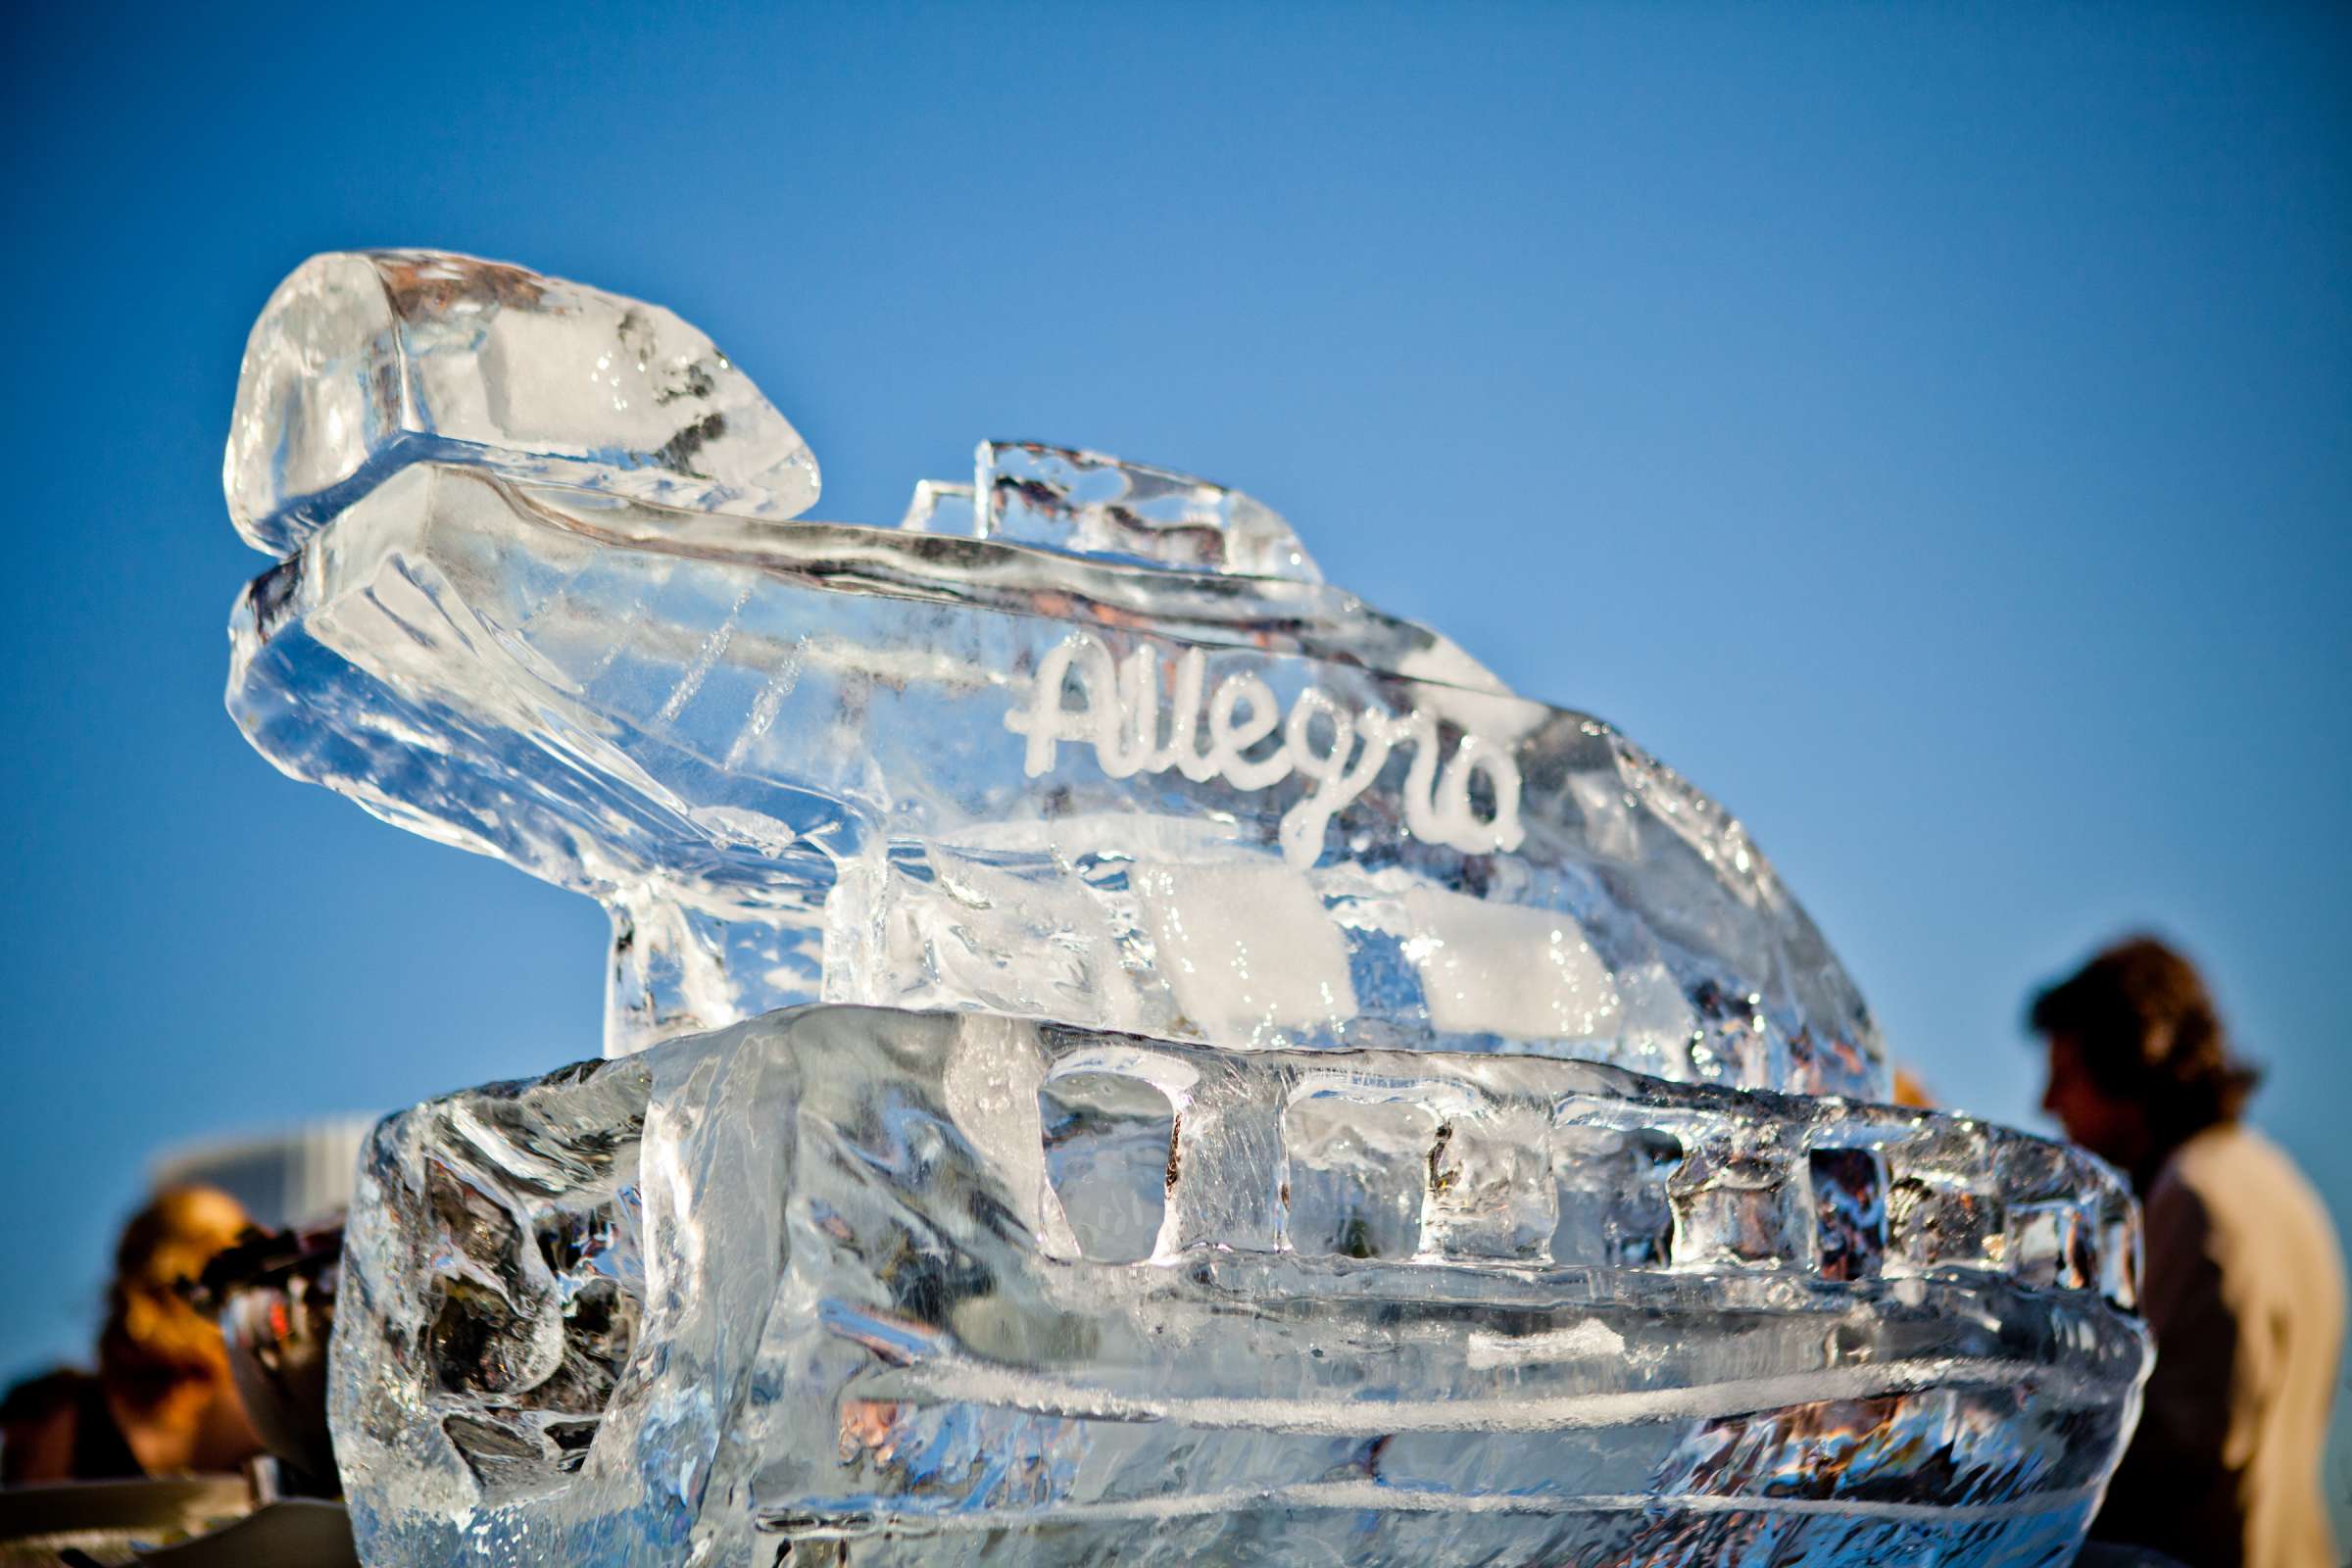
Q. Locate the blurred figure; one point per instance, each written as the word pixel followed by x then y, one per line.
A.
pixel 162 1402
pixel 2243 1288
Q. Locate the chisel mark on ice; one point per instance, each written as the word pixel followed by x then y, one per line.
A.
pixel 714 648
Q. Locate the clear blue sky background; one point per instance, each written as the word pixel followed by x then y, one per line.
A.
pixel 1928 428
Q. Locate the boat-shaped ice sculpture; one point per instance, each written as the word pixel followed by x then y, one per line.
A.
pixel 1116 1051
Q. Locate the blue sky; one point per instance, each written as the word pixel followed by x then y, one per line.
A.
pixel 1927 428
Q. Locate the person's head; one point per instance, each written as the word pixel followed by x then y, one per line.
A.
pixel 154 1339
pixel 2138 1063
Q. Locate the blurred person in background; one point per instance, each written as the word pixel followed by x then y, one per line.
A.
pixel 2243 1284
pixel 162 1402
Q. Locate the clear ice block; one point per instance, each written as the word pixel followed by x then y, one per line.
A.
pixel 851 1285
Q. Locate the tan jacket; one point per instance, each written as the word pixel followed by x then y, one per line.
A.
pixel 2245 1293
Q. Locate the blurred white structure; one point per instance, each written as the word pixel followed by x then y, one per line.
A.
pixel 282 1178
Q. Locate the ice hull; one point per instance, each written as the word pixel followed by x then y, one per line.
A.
pixel 878 1286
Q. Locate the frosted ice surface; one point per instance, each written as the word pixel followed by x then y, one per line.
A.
pixel 1487 968
pixel 881 1286
pixel 363 362
pixel 1246 951
pixel 1284 1097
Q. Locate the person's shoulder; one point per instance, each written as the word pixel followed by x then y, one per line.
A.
pixel 2239 1180
pixel 44 1395
pixel 2232 1157
pixel 41 1420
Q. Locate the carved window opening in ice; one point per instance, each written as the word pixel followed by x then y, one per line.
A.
pixel 1359 1163
pixel 1490 1192
pixel 1849 1210
pixel 2053 1244
pixel 1611 1195
pixel 1738 1205
pixel 1111 1159
pixel 1937 1224
pixel 1938 1216
pixel 2119 1258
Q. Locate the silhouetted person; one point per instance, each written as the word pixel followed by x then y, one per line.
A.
pixel 162 1401
pixel 2243 1285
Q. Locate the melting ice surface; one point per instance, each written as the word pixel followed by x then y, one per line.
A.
pixel 1287 1098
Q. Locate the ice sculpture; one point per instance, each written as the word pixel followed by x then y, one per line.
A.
pixel 1285 1098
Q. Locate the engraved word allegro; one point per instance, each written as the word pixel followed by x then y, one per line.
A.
pixel 1118 713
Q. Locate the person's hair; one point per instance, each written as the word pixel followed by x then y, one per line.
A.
pixel 154 1339
pixel 2148 1032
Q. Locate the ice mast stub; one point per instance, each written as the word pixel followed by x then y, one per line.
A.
pixel 1081 739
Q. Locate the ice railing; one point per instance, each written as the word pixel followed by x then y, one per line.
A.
pixel 1440 1159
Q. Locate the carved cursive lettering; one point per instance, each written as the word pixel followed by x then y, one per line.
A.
pixel 1337 751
